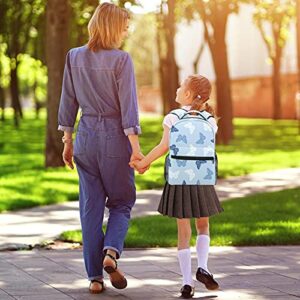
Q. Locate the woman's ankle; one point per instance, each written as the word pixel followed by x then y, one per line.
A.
pixel 111 252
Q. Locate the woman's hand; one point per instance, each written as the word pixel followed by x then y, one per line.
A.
pixel 68 155
pixel 137 156
pixel 139 166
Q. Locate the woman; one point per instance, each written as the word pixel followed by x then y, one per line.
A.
pixel 99 78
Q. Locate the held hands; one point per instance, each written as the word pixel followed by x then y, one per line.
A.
pixel 136 162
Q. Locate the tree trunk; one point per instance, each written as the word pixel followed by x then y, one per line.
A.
pixel 224 102
pixel 57 44
pixel 168 69
pixel 276 89
pixel 15 97
pixel 298 58
pixel 198 56
pixel 2 103
pixel 218 50
pixel 298 41
pixel 2 97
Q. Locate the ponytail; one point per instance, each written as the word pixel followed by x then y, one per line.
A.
pixel 198 105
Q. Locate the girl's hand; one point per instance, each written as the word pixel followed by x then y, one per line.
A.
pixel 68 155
pixel 139 166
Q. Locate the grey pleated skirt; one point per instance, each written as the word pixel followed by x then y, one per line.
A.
pixel 189 201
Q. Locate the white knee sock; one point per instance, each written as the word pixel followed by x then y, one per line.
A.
pixel 202 247
pixel 185 263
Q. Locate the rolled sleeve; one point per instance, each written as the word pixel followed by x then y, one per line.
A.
pixel 128 96
pixel 68 107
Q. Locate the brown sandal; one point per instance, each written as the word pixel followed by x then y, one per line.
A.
pixel 98 287
pixel 117 278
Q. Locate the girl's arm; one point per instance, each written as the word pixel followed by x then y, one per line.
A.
pixel 158 151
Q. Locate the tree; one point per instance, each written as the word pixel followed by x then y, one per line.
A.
pixel 57 44
pixel 214 16
pixel 276 15
pixel 18 19
pixel 298 41
pixel 168 69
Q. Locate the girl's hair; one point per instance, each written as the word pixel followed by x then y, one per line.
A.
pixel 200 88
pixel 106 27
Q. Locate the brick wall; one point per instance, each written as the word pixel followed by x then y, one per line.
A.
pixel 252 97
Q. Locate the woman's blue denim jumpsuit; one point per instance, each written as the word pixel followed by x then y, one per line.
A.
pixel 103 85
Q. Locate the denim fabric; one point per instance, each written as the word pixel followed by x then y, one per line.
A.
pixel 99 82
pixel 101 153
pixel 102 84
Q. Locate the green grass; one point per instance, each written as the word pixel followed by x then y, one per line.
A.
pixel 262 219
pixel 24 182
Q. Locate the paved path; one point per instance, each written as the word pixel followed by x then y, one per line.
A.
pixel 31 226
pixel 246 273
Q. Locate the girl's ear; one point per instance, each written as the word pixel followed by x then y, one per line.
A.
pixel 187 94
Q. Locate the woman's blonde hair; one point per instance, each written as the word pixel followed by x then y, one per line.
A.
pixel 200 88
pixel 106 27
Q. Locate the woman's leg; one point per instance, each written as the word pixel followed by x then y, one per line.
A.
pixel 92 203
pixel 184 252
pixel 202 242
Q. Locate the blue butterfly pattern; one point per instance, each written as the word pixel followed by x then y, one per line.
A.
pixel 174 149
pixel 168 162
pixel 202 138
pixel 199 163
pixel 174 129
pixel 181 163
pixel 209 174
pixel 182 138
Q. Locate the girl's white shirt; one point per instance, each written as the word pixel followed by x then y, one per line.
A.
pixel 171 119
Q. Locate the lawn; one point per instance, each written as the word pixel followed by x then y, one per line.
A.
pixel 261 219
pixel 24 182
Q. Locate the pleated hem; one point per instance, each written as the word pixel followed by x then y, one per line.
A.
pixel 189 201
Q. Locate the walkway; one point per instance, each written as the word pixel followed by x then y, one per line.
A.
pixel 31 226
pixel 246 273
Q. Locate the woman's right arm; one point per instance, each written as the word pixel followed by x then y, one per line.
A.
pixel 68 107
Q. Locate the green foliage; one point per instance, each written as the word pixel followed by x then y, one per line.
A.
pixel 19 24
pixel 273 19
pixel 4 66
pixel 24 182
pixel 258 220
pixel 207 9
pixel 141 47
pixel 33 76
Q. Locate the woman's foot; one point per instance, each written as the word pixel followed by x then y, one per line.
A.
pixel 207 279
pixel 187 291
pixel 110 266
pixel 96 287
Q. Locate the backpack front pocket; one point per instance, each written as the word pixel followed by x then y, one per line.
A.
pixel 191 170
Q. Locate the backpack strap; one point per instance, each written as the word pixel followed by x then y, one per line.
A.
pixel 179 112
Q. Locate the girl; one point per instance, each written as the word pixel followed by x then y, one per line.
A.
pixel 188 201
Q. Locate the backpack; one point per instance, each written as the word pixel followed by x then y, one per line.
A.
pixel 192 158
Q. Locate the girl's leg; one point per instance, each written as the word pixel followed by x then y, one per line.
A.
pixel 184 252
pixel 202 247
pixel 203 241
